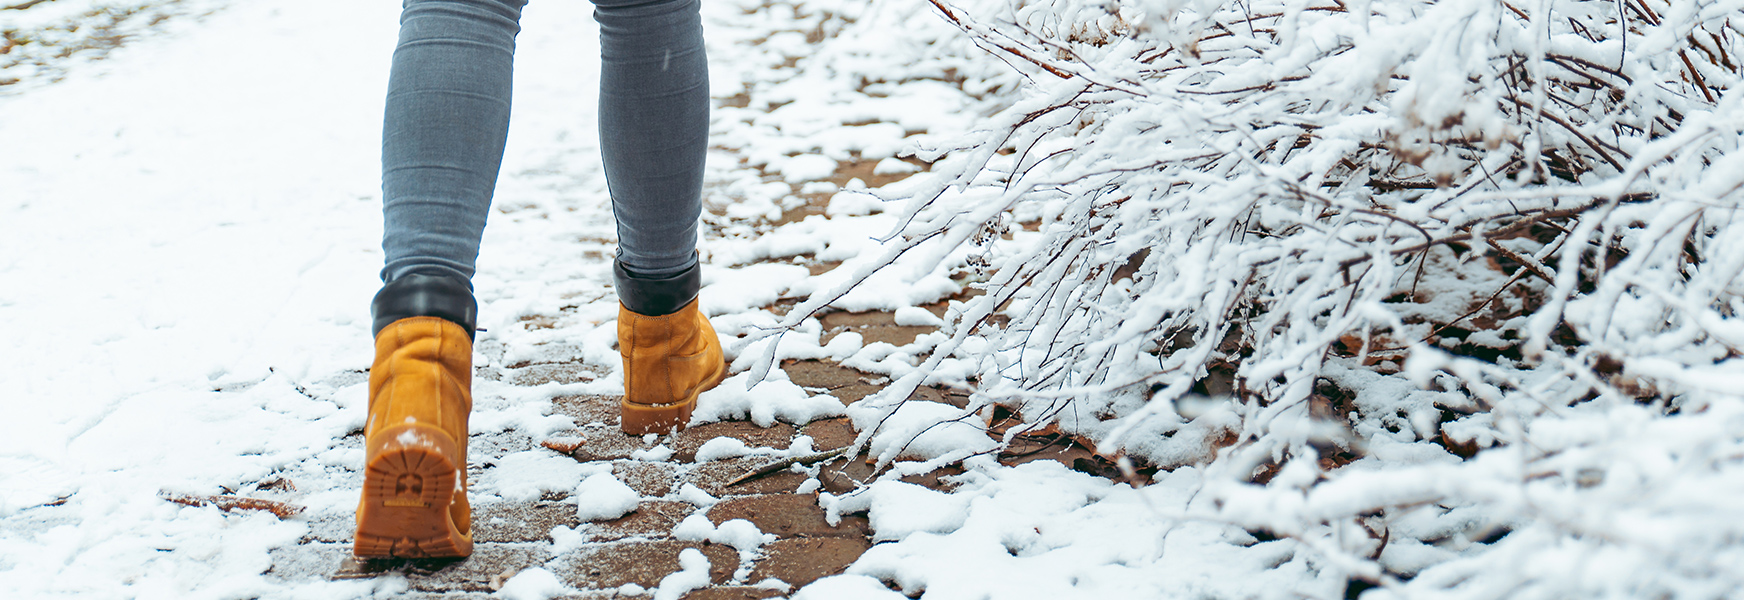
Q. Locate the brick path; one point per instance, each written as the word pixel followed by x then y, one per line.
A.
pixel 638 548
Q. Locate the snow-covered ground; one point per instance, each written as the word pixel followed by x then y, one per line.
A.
pixel 189 235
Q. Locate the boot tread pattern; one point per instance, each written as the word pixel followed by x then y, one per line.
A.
pixel 405 509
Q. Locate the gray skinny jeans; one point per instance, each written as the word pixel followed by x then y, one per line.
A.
pixel 448 118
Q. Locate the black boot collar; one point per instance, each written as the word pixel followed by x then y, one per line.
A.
pixel 656 297
pixel 421 295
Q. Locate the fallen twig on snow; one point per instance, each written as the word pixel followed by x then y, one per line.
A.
pixel 227 503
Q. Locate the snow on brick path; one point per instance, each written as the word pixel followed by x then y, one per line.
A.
pixel 189 235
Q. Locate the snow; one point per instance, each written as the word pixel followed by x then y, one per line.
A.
pixel 805 167
pixel 567 539
pixel 527 475
pixel 722 448
pixel 693 574
pixel 695 527
pixel 916 317
pixel 601 497
pixel 773 584
pixel 847 587
pixel 1040 530
pixel 742 535
pixel 189 235
pixel 656 454
pixel 532 584
pixel 924 430
pixel 695 496
pixel 899 510
pixel 775 399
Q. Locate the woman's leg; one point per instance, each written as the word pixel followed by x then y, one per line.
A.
pixel 442 138
pixel 653 128
pixel 653 135
pixel 442 143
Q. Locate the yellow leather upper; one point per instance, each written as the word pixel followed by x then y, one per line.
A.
pixel 668 359
pixel 423 374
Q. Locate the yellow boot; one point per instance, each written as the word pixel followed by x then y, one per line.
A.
pixel 670 352
pixel 420 395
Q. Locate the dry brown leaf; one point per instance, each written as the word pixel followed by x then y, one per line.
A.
pixel 563 445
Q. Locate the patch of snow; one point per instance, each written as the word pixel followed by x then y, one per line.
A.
pixel 694 528
pixel 806 167
pixel 741 534
pixel 775 399
pixel 534 583
pixel 892 166
pixel 693 575
pixel 656 454
pixel 602 497
pixel 918 429
pixel 565 539
pixel 694 495
pixel 524 476
pixel 773 584
pixel 915 316
pixel 1040 530
pixel 725 447
pixel 900 509
pixel 847 587
pixel 854 204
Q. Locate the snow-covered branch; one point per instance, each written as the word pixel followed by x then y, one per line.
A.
pixel 1380 262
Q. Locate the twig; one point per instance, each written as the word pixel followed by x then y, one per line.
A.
pixel 1577 133
pixel 227 503
pixel 1696 77
pixel 970 29
pixel 24 5
pixel 1530 264
pixel 783 464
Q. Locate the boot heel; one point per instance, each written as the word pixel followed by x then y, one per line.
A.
pixel 643 419
pixel 409 483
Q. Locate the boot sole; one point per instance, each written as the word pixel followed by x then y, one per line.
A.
pixel 408 485
pixel 643 419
